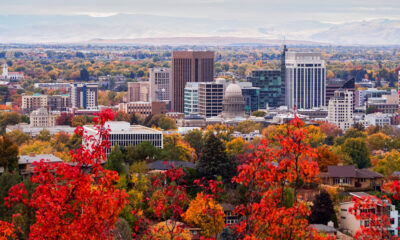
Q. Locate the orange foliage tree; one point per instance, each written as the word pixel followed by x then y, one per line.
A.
pixel 265 175
pixel 326 157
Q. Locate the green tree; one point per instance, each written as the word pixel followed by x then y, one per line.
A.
pixel 8 118
pixel 141 151
pixel 115 160
pixel 166 123
pixel 7 180
pixel 195 139
pixel 8 154
pixel 214 161
pixel 356 149
pixel 44 135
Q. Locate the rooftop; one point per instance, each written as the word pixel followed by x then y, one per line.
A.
pixel 124 127
pixel 165 165
pixel 351 171
pixel 29 159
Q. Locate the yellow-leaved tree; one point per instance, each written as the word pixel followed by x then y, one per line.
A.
pixel 168 230
pixel 206 214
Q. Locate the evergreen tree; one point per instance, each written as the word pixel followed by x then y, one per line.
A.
pixel 115 160
pixel 322 210
pixel 8 154
pixel 214 161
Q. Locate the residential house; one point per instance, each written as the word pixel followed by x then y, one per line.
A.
pixel 351 178
pixel 350 224
pixel 25 162
pixel 230 216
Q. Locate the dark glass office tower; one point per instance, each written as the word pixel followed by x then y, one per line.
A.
pixel 270 84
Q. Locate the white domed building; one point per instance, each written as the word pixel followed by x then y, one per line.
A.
pixel 233 105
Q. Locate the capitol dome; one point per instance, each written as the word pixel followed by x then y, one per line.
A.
pixel 233 90
pixel 233 102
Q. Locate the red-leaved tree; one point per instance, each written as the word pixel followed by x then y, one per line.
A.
pixel 265 175
pixel 70 203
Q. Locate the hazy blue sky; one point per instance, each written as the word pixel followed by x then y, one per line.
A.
pixel 333 11
pixel 336 21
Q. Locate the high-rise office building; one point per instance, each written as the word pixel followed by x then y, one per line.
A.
pixel 191 98
pixel 305 80
pixel 138 91
pixel 84 95
pixel 283 72
pixel 251 96
pixel 210 98
pixel 340 109
pixel 159 84
pixel 334 84
pixel 189 66
pixel 49 102
pixel 270 84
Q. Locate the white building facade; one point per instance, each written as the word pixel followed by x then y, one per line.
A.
pixel 43 118
pixel 191 98
pixel 341 108
pixel 84 95
pixel 160 84
pixel 305 81
pixel 124 134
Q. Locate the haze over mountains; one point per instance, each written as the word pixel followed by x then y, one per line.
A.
pixel 165 30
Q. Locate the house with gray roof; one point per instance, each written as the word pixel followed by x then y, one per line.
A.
pixel 352 178
pixel 25 162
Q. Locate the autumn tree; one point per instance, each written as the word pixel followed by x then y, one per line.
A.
pixel 235 147
pixel 64 119
pixel 322 209
pixel 248 126
pixel 264 215
pixel 8 154
pixel 258 113
pixel 195 139
pixel 44 135
pixel 206 214
pixel 168 201
pixel 389 163
pixel 122 116
pixel 325 158
pixel 18 137
pixel 176 149
pixel 378 141
pixel 68 202
pixel 78 121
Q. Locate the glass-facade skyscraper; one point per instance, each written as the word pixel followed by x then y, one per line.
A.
pixel 251 97
pixel 271 85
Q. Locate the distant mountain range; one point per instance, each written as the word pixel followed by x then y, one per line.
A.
pixel 202 41
pixel 160 30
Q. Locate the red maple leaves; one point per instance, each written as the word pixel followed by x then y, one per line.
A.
pixel 70 203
